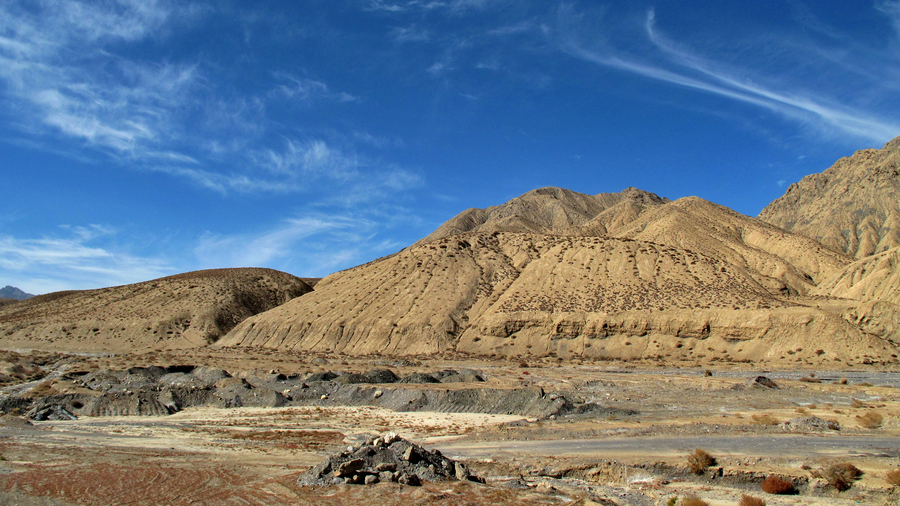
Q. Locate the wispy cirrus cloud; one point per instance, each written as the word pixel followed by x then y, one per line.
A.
pixel 311 244
pixel 306 89
pixel 73 259
pixel 309 165
pixel 891 9
pixel 452 6
pixel 798 102
pixel 67 77
pixel 412 33
pixel 57 71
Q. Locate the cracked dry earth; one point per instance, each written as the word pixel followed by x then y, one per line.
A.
pixel 206 455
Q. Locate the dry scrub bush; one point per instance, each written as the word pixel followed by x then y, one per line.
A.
pixel 776 485
pixel 764 420
pixel 699 461
pixel 893 478
pixel 870 420
pixel 748 500
pixel 840 476
pixel 693 501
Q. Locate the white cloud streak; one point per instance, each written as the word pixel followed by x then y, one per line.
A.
pixel 306 90
pixel 56 69
pixel 73 261
pixel 310 245
pixel 64 79
pixel 892 10
pixel 799 105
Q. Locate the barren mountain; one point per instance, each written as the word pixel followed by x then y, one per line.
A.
pixel 852 207
pixel 186 310
pixel 551 211
pixel 784 263
pixel 530 294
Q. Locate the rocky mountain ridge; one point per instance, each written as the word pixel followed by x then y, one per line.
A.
pixel 11 292
pixel 853 207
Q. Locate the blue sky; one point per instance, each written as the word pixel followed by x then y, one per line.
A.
pixel 143 138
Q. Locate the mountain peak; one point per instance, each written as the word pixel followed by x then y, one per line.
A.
pixel 11 292
pixel 549 211
pixel 853 207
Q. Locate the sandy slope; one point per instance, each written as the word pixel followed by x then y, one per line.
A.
pixel 187 310
pixel 527 294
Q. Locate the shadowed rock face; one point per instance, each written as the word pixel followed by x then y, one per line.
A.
pixel 853 207
pixel 182 311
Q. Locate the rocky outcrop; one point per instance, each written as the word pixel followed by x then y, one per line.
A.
pixel 386 459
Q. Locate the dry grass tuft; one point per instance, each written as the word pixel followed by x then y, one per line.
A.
pixel 699 461
pixel 870 420
pixel 893 478
pixel 693 501
pixel 776 485
pixel 747 500
pixel 765 419
pixel 840 476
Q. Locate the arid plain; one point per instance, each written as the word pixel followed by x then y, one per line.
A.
pixel 566 348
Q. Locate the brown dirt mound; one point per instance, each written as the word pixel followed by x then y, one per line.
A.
pixel 181 311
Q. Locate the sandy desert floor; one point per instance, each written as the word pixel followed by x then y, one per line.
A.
pixel 254 455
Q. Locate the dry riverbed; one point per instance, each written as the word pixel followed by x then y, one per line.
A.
pixel 633 451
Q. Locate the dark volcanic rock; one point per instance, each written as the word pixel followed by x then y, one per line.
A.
pixel 757 382
pixel 420 377
pixel 386 458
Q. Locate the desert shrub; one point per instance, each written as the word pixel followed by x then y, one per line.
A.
pixel 748 500
pixel 856 403
pixel 870 420
pixel 810 379
pixel 776 485
pixel 672 501
pixel 766 419
pixel 699 461
pixel 893 478
pixel 841 476
pixel 693 501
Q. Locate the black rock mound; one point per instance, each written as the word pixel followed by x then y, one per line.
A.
pixel 388 458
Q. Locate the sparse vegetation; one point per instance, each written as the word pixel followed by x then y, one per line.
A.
pixel 693 501
pixel 699 461
pixel 764 419
pixel 870 420
pixel 840 476
pixel 893 478
pixel 778 486
pixel 748 500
